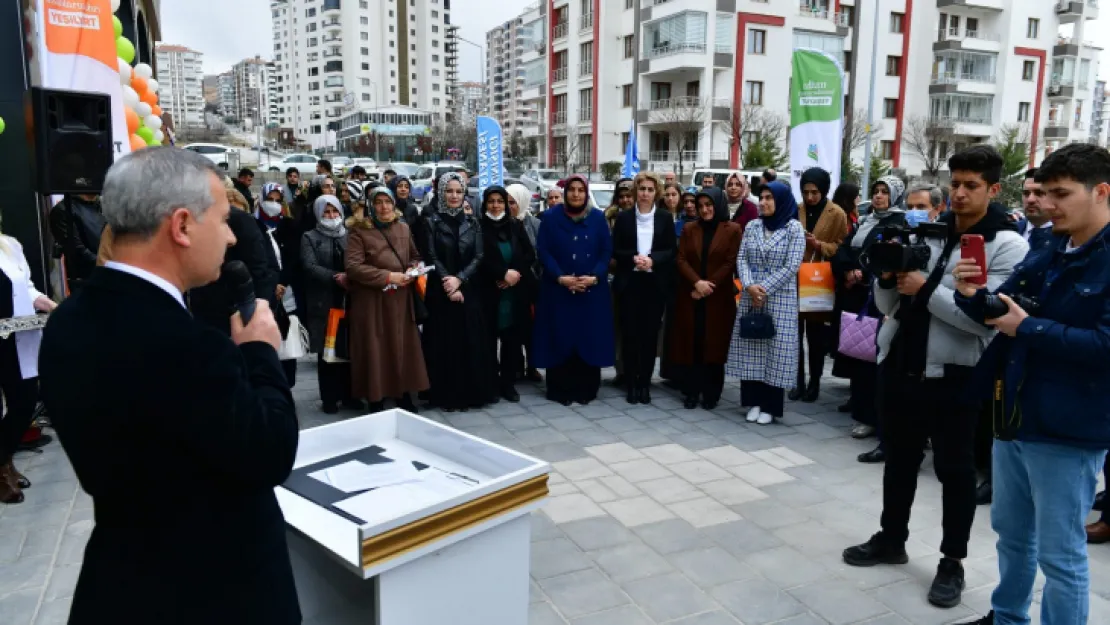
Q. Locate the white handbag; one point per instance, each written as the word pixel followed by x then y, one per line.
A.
pixel 295 344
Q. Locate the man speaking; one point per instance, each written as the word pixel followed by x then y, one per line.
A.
pixel 178 433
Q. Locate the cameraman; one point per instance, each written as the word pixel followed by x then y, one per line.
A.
pixel 1052 364
pixel 927 351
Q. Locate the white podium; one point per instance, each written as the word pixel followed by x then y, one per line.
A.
pixel 451 547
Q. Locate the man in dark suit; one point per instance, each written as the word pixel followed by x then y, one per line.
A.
pixel 1037 225
pixel 178 433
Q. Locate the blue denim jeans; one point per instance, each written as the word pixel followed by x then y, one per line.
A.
pixel 1042 495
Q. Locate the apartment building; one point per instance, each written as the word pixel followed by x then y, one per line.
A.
pixel 505 48
pixel 180 76
pixel 226 91
pixel 676 69
pixel 471 100
pixel 333 57
pixel 1100 114
pixel 254 94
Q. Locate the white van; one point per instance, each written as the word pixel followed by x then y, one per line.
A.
pixel 720 175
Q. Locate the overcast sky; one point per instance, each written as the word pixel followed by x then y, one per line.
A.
pixel 228 31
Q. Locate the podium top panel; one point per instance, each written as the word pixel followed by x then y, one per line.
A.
pixel 378 490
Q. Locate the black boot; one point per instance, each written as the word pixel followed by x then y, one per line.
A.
pixel 633 396
pixel 645 394
pixel 690 402
pixel 984 493
pixel 812 391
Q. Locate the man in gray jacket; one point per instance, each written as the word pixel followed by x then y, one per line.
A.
pixel 927 350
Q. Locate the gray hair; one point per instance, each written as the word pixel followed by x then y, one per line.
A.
pixel 143 188
pixel 936 196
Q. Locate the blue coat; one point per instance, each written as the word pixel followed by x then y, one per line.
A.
pixel 568 323
pixel 1055 372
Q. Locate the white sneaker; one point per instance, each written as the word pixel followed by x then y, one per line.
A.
pixel 753 414
pixel 765 418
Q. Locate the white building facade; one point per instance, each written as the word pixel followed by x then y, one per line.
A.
pixel 253 91
pixel 180 77
pixel 677 69
pixel 472 101
pixel 333 57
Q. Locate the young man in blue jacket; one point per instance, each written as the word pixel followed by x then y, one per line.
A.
pixel 1048 370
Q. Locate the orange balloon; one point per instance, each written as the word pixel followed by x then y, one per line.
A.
pixel 133 121
pixel 137 143
pixel 139 84
pixel 149 98
pixel 156 110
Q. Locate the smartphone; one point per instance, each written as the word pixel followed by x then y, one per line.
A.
pixel 974 247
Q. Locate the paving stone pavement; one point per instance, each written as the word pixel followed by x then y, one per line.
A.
pixel 657 515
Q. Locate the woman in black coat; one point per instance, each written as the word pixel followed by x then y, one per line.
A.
pixel 282 244
pixel 506 286
pixel 645 248
pixel 456 347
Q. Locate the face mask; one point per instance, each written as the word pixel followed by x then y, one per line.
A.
pixel 496 217
pixel 332 223
pixel 272 209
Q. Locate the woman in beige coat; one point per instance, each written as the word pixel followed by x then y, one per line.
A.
pixel 386 359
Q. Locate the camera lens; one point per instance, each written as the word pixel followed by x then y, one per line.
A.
pixel 994 307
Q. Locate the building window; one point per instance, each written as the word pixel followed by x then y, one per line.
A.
pixel 626 96
pixel 629 46
pixel 1023 111
pixel 753 92
pixel 625 136
pixel 435 101
pixel 897 22
pixel 757 41
pixel 629 4
pixel 1028 68
pixel 887 149
pixel 1033 28
pixel 365 21
pixel 893 66
pixel 890 108
pixel 365 52
pixel 365 67
pixel 366 36
pixel 366 97
pixel 365 82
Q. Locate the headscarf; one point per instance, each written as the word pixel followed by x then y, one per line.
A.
pixel 819 178
pixel 682 205
pixel 396 181
pixel 571 210
pixel 260 214
pixel 318 207
pixel 897 190
pixel 270 187
pixel 720 204
pixel 786 208
pixel 371 195
pixel 523 197
pixel 499 228
pixel 354 187
pixel 441 192
pixel 739 176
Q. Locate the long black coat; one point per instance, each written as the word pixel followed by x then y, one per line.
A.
pixel 494 267
pixel 76 226
pixel 664 251
pixel 180 437
pixel 322 257
pixel 212 304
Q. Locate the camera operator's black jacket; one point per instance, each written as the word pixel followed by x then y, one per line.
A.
pixel 1055 372
pixel 76 226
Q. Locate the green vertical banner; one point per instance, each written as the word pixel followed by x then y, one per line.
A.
pixel 816 115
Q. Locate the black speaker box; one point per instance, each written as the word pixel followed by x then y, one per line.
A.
pixel 72 140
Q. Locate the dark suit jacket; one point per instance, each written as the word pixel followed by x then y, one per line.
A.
pixel 180 437
pixel 664 250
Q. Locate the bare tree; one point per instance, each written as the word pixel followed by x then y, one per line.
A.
pixel 567 158
pixel 855 131
pixel 683 119
pixel 750 124
pixel 930 139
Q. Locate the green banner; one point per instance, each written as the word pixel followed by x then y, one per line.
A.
pixel 816 88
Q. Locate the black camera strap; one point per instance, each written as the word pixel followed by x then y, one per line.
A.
pixel 911 340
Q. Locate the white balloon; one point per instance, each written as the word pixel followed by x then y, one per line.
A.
pixel 124 72
pixel 152 121
pixel 152 85
pixel 144 70
pixel 159 135
pixel 143 109
pixel 115 5
pixel 130 97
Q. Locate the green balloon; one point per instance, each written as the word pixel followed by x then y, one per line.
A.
pixel 2 125
pixel 117 26
pixel 125 50
pixel 153 142
pixel 146 133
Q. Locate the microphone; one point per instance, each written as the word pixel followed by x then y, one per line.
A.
pixel 237 279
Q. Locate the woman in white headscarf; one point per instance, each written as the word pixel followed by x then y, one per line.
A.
pixel 19 355
pixel 282 246
pixel 520 202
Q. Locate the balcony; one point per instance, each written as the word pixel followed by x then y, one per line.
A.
pixel 673 156
pixel 1056 129
pixel 585 69
pixel 331 25
pixel 669 57
pixel 331 7
pixel 332 54
pixel 333 38
pixel 558 75
pixel 1070 10
pixel 559 31
pixel 685 109
pixel 334 82
pixel 585 116
pixel 988 5
pixel 1061 88
pixel 971 125
pixel 586 22
pixel 969 41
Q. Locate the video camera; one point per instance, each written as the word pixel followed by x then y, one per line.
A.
pixel 901 248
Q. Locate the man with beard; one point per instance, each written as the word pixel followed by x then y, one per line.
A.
pixel 1037 228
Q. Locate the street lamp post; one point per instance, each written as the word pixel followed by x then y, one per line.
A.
pixel 866 178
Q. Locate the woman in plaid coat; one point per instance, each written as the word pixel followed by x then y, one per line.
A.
pixel 767 266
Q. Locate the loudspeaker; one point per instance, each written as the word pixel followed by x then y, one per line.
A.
pixel 72 140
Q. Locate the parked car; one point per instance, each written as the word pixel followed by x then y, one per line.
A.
pixel 340 165
pixel 426 176
pixel 540 180
pixel 305 163
pixel 475 197
pixel 224 156
pixel 403 168
pixel 601 194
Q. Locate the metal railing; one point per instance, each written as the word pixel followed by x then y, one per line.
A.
pixel 953 34
pixel 559 118
pixel 1079 125
pixel 687 102
pixel 586 22
pixel 585 68
pixel 559 31
pixel 951 78
pixel 652 3
pixel 673 155
pixel 966 119
pixel 723 48
pixel 558 74
pixel 675 48
pixel 585 115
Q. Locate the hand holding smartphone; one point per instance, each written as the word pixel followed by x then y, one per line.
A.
pixel 974 247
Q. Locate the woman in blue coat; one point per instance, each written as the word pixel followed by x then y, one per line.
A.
pixel 573 336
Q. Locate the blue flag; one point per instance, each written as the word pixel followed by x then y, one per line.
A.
pixel 490 157
pixel 631 156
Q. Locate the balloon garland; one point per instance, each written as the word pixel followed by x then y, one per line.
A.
pixel 139 91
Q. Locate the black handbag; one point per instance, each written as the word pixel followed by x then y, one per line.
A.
pixel 757 325
pixel 343 339
pixel 419 308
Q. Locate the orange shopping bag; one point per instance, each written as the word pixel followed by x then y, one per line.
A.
pixel 739 289
pixel 816 288
pixel 336 338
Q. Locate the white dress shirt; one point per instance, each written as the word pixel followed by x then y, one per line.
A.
pixel 143 274
pixel 1029 228
pixel 645 232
